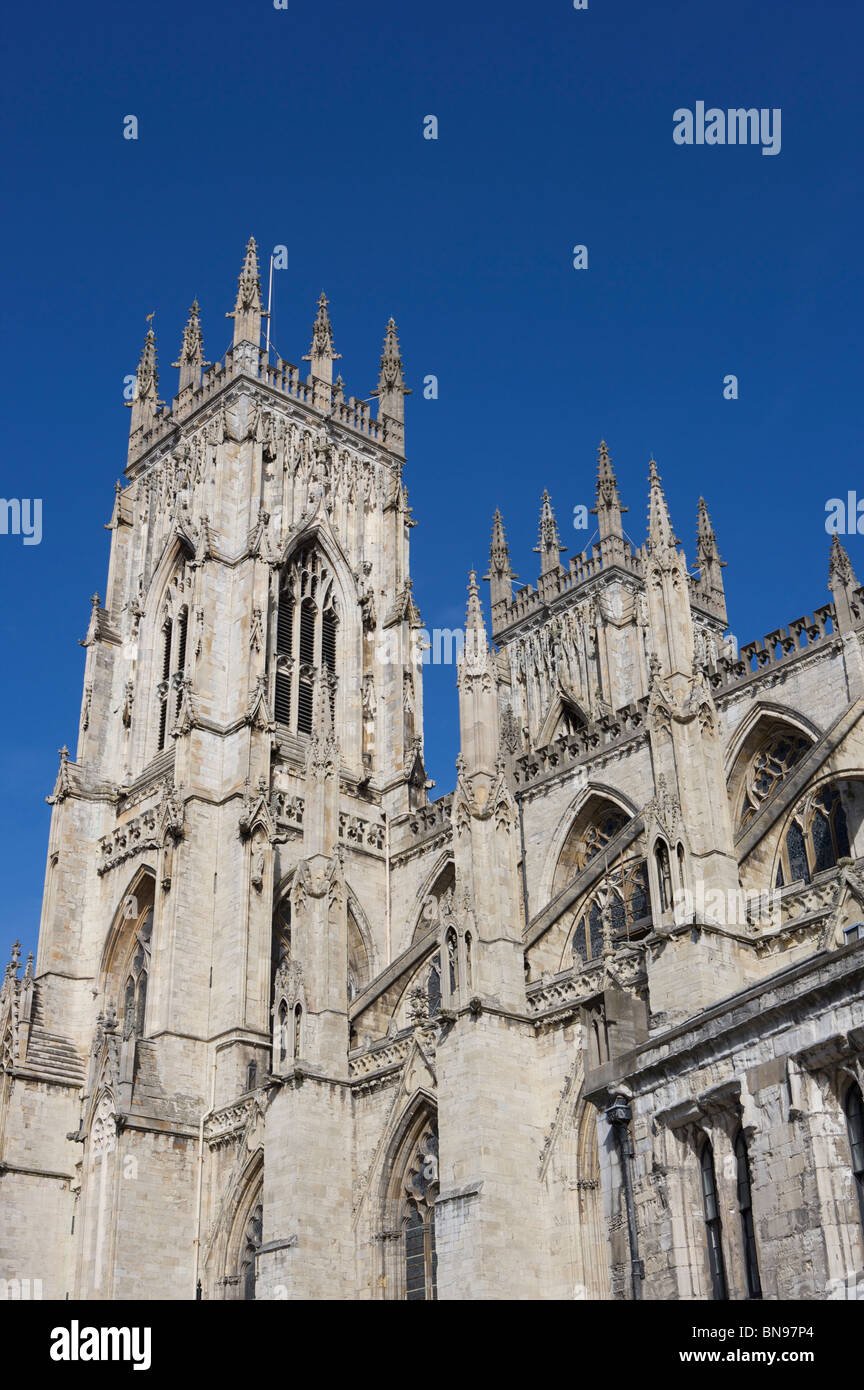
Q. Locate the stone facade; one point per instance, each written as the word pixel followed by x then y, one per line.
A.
pixel 591 1026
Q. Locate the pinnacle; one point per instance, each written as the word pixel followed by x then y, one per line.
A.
pixel 706 540
pixel 840 565
pixel 322 335
pixel 391 377
pixel 248 284
pixel 550 543
pixel 192 347
pixel 474 620
pixel 660 531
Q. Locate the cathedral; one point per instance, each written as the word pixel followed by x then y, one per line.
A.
pixel 589 1027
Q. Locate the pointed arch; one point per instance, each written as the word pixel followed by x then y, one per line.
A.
pixel 409 1184
pixel 771 741
pixel 562 707
pixel 824 825
pixel 241 1204
pixel 441 877
pixel 593 801
pixel 315 635
pixel 565 825
pixel 124 971
pixel 141 886
pixel 163 639
pixel 768 710
pixel 592 1245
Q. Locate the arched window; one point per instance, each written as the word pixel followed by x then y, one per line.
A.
pixel 817 837
pixel 135 992
pixel 418 1219
pixel 713 1224
pixel 298 1023
pixel 251 1076
pixel 283 1032
pixel 745 1209
pixel 855 1122
pixel 172 669
pixel 629 912
pixel 306 642
pixel 768 767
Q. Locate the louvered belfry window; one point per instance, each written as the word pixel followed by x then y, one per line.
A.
pixel 307 640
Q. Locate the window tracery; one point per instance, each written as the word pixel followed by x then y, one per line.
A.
pixel 769 767
pixel 817 837
pixel 137 974
pixel 628 909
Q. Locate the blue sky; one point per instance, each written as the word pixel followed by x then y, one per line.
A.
pixel 303 127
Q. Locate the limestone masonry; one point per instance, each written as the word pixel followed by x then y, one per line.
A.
pixel 592 1026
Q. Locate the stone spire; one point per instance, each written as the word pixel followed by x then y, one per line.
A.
pixel 608 509
pixel 707 554
pixel 661 537
pixel 321 355
pixel 550 546
pixel 667 587
pixel 478 707
pixel 391 389
pixel 145 402
pixel 476 641
pixel 842 583
pixel 500 574
pixel 248 312
pixel 191 361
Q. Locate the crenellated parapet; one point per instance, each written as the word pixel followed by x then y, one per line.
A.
pixel 153 421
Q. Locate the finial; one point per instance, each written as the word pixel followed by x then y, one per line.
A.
pixel 247 312
pixel 321 355
pixel 660 533
pixel 608 509
pixel 706 540
pixel 191 360
pixel 145 399
pixel 474 613
pixel 550 546
pixel 391 388
pixel 840 566
pixel 500 574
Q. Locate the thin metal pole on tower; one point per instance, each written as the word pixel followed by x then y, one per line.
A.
pixel 269 307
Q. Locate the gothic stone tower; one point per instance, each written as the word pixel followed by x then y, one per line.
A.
pixel 238 741
pixel 591 1025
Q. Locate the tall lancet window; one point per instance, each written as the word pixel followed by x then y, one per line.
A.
pixel 306 641
pixel 135 990
pixel 418 1219
pixel 171 657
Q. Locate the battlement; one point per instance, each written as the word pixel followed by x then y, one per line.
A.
pixel 352 414
pixel 152 420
